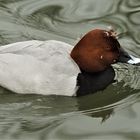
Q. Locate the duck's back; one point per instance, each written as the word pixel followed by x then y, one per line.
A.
pixel 41 67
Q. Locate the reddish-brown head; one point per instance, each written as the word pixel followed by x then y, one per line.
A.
pixel 96 51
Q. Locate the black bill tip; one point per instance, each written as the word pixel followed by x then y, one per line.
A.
pixel 129 59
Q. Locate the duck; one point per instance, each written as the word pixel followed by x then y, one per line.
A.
pixel 56 68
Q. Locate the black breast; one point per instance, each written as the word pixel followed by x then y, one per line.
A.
pixel 89 83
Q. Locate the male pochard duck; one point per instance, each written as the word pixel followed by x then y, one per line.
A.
pixel 54 67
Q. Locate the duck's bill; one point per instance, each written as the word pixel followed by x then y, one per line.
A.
pixel 134 60
pixel 129 59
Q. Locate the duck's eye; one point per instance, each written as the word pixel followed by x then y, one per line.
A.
pixel 108 48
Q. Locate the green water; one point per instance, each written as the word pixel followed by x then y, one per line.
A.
pixel 112 114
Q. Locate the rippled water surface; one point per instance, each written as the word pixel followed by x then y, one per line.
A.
pixel 110 114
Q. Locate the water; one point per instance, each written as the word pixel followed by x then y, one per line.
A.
pixel 110 114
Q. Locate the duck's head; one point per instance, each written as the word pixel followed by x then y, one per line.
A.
pixel 98 49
